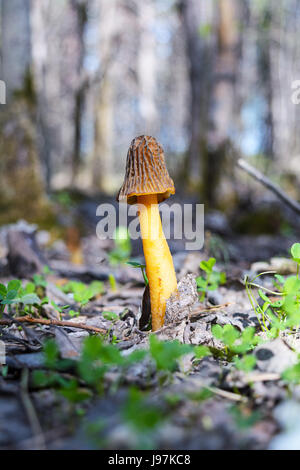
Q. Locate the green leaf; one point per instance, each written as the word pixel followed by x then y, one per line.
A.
pixel 166 353
pixel 72 392
pixel 73 313
pixel 39 280
pixel 201 282
pixel 135 264
pixel 29 288
pixel 28 299
pixel 207 266
pixel 201 351
pixel 280 278
pixel 3 290
pixel 139 414
pixel 246 363
pixel 51 353
pixel 295 251
pixel 263 296
pixel 14 285
pixel 111 316
pixel 292 374
pixel 11 294
pixel 291 285
pixel 217 331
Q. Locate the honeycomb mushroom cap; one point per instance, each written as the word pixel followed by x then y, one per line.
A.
pixel 146 171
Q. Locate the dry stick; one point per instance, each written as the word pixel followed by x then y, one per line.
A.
pixel 39 439
pixel 199 310
pixel 44 321
pixel 269 184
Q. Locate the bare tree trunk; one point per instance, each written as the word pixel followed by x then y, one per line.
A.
pixel 265 72
pixel 16 48
pixel 21 188
pixel 102 167
pixel 218 163
pixel 103 121
pixel 198 18
pixel 80 7
pixel 213 69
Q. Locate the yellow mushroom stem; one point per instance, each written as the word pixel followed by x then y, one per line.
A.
pixel 159 263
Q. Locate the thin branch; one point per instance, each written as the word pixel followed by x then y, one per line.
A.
pixel 50 322
pixel 269 184
pixel 39 439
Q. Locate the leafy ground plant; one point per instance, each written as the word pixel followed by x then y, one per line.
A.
pixel 280 309
pixel 211 280
pixel 14 294
pixel 83 293
pixel 238 344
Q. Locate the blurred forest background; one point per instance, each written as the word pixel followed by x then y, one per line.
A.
pixel 210 79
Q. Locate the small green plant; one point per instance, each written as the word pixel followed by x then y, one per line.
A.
pixel 121 253
pixel 13 293
pixel 140 415
pixel 212 278
pixel 292 374
pixel 111 316
pixel 83 293
pixel 282 310
pixel 246 363
pixel 96 358
pixel 236 342
pixel 136 264
pixel 166 353
pixel 73 313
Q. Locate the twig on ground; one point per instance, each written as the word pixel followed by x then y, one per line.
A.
pixel 263 377
pixel 200 310
pixel 229 395
pixel 39 439
pixel 44 321
pixel 269 184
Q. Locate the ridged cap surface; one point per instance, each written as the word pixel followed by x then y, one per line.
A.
pixel 146 171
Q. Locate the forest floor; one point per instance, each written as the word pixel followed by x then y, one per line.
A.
pixel 82 371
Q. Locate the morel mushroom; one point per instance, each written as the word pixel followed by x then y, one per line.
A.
pixel 147 183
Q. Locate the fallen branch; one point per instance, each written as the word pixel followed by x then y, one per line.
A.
pixel 269 184
pixel 50 322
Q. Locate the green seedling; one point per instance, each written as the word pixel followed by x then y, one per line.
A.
pixel 246 363
pixel 211 280
pixel 167 353
pixel 73 313
pixel 13 293
pixel 236 342
pixel 96 358
pixel 136 264
pixel 111 316
pixel 139 414
pixel 292 374
pixel 83 293
pixel 283 312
